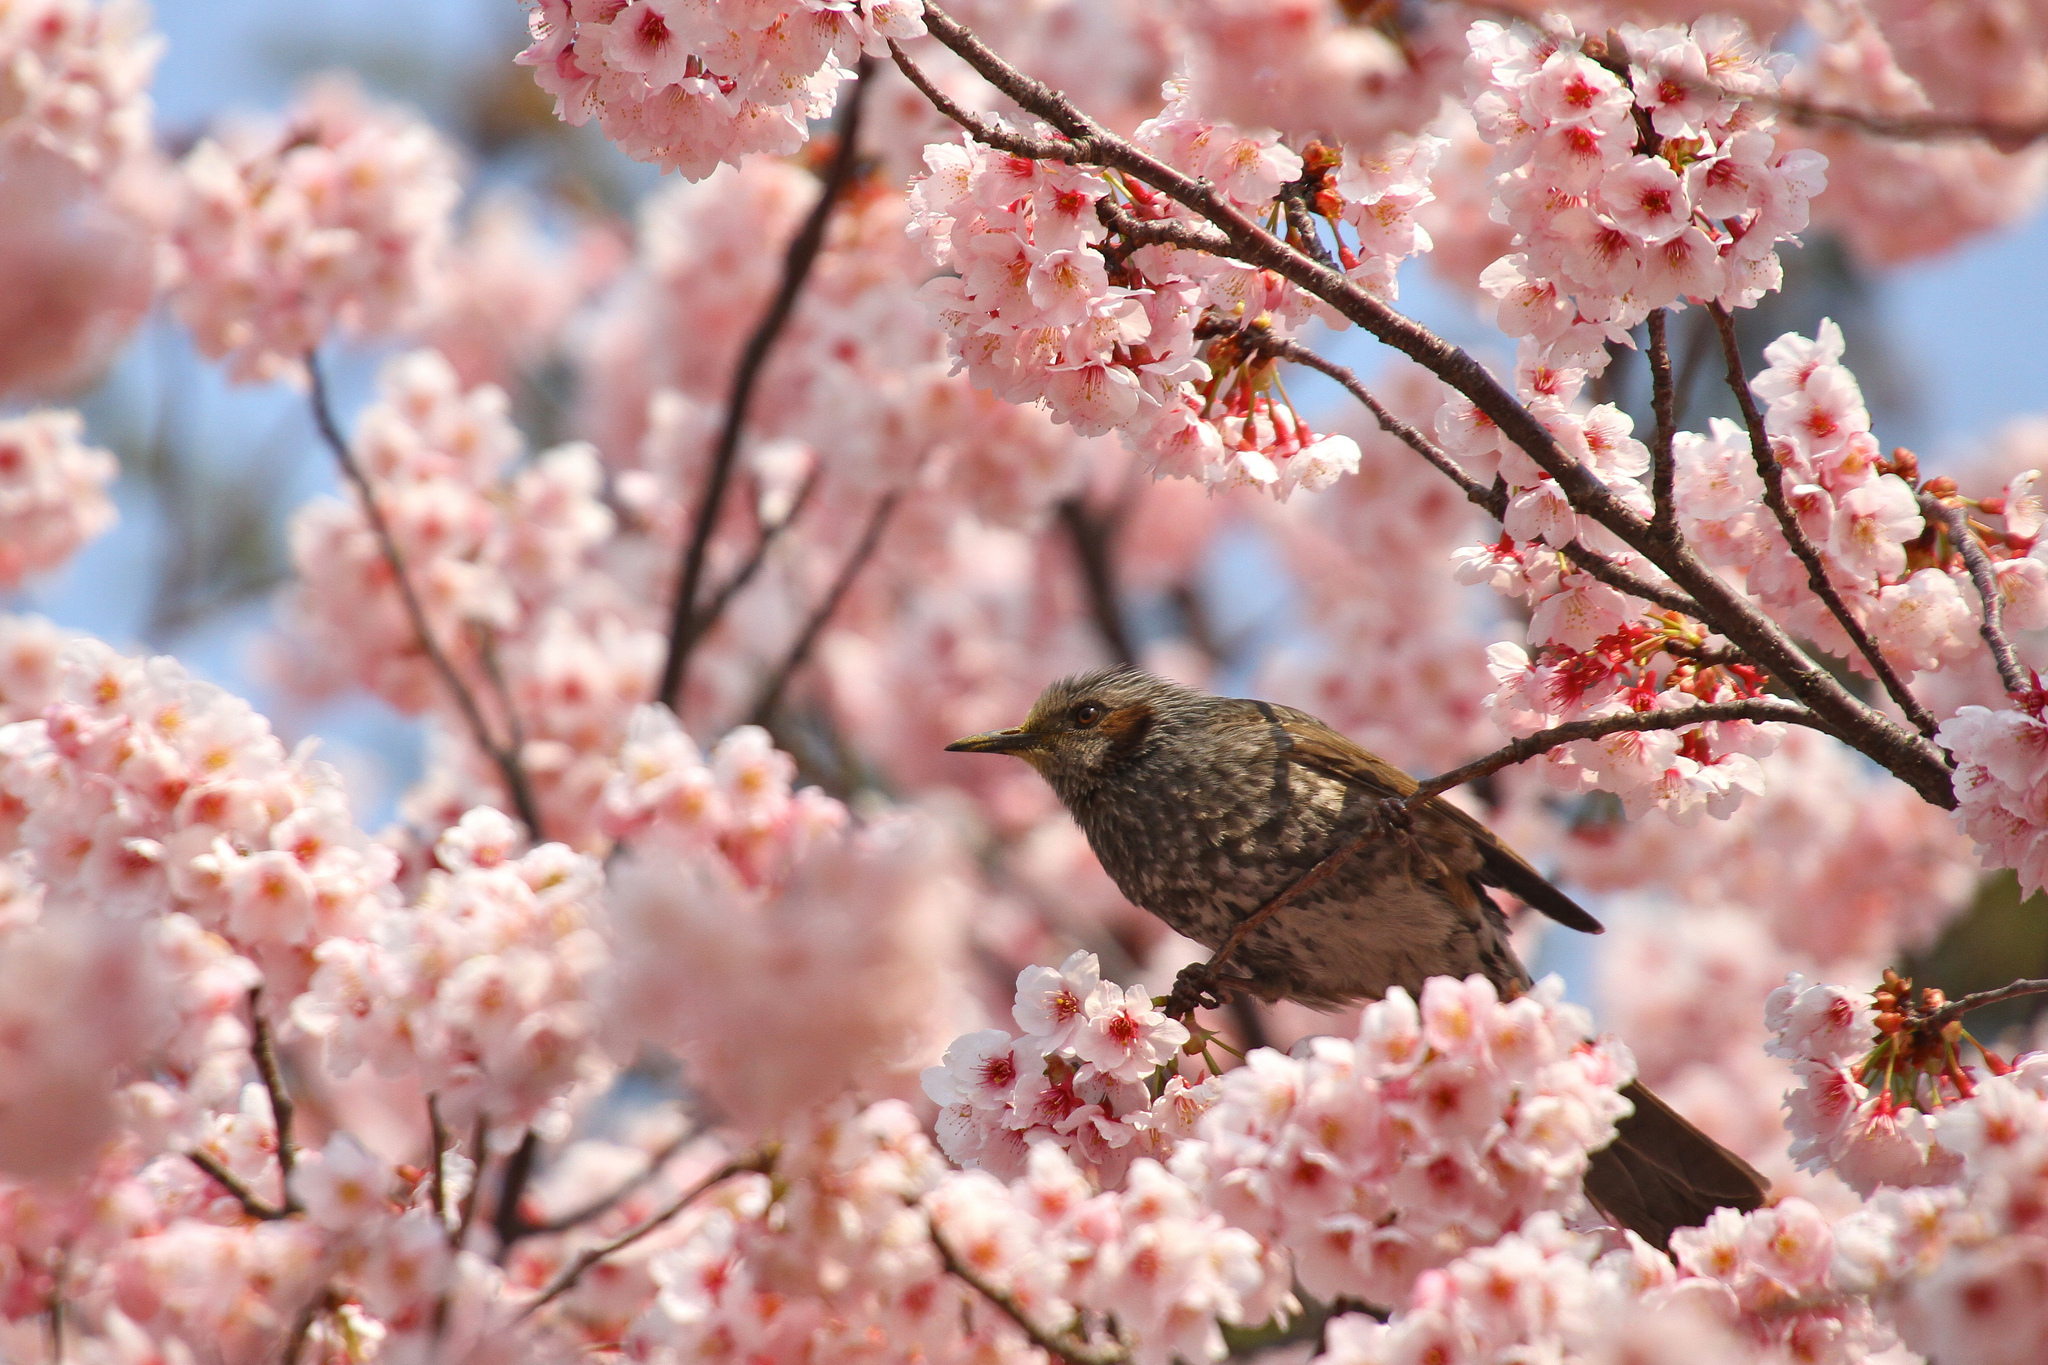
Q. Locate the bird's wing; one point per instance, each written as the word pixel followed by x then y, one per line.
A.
pixel 1315 745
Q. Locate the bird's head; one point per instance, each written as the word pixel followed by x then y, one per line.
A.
pixel 1082 729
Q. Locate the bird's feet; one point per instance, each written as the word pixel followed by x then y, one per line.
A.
pixel 1389 816
pixel 1201 986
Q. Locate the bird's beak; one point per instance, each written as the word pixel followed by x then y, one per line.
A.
pixel 1012 741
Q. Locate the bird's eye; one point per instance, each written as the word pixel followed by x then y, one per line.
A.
pixel 1088 712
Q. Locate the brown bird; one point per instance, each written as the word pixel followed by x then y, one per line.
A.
pixel 1204 809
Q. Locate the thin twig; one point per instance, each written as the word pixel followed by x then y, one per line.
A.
pixel 1956 1009
pixel 1911 757
pixel 1986 579
pixel 1663 466
pixel 506 760
pixel 2006 137
pixel 821 615
pixel 708 615
pixel 302 1326
pixel 1094 548
pixel 1490 500
pixel 605 1203
pixel 804 248
pixel 1817 580
pixel 252 1203
pixel 506 1220
pixel 1762 709
pixel 1060 1345
pixel 565 1280
pixel 264 1047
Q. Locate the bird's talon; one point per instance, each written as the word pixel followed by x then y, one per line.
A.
pixel 1200 987
pixel 1390 815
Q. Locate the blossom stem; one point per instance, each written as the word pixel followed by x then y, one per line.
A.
pixel 1985 577
pixel 1064 1346
pixel 505 758
pixel 686 624
pixel 1817 581
pixel 760 1160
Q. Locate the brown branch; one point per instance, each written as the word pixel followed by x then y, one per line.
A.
pixel 1986 579
pixel 1491 500
pixel 758 1161
pixel 605 1203
pixel 1912 758
pixel 778 681
pixel 1094 548
pixel 804 249
pixel 1598 727
pixel 252 1203
pixel 1702 655
pixel 1817 580
pixel 2006 137
pixel 708 616
pixel 506 760
pixel 1065 1346
pixel 264 1047
pixel 1139 232
pixel 1663 465
pixel 324 1300
pixel 985 129
pixel 506 1220
pixel 1956 1009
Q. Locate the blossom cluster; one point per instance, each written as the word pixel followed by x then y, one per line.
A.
pixel 335 216
pixel 1063 292
pixel 2001 775
pixel 1613 218
pixel 1077 1078
pixel 53 492
pixel 690 86
pixel 1168 1268
pixel 762 919
pixel 1442 1125
pixel 74 80
pixel 1593 650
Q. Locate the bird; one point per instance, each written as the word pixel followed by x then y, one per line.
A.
pixel 1206 810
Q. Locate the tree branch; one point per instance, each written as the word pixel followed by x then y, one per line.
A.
pixel 506 760
pixel 506 1220
pixel 1598 727
pixel 264 1047
pixel 2006 137
pixel 605 1203
pixel 778 681
pixel 760 1160
pixel 252 1203
pixel 1986 578
pixel 1092 537
pixel 1063 1346
pixel 708 615
pixel 1956 1009
pixel 1490 500
pixel 1912 758
pixel 684 620
pixel 1663 466
pixel 1817 580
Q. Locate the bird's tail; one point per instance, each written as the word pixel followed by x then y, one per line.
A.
pixel 1661 1173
